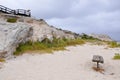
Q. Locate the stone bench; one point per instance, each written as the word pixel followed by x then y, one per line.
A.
pixel 98 59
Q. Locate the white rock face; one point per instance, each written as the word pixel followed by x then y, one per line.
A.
pixel 42 30
pixel 26 28
pixel 101 37
pixel 11 34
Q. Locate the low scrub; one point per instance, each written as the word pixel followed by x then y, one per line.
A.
pixel 87 37
pixel 117 56
pixel 46 45
pixel 94 41
pixel 113 44
pixel 12 20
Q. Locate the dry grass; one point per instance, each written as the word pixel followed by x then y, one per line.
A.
pixel 46 46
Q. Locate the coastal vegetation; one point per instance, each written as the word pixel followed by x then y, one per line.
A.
pixel 113 44
pixel 47 46
pixel 90 39
pixel 87 37
pixel 116 56
pixel 12 20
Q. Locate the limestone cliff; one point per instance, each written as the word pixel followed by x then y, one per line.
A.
pixel 11 34
pixel 26 28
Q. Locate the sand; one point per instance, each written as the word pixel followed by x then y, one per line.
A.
pixel 75 63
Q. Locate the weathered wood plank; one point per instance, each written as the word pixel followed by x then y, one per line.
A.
pixel 97 58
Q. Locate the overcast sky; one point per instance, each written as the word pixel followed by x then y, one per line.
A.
pixel 81 16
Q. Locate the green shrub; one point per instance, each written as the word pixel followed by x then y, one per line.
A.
pixel 46 45
pixel 12 20
pixel 87 37
pixel 117 56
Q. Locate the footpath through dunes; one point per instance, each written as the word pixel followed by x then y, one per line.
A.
pixel 72 64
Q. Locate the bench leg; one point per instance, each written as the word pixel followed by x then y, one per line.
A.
pixel 97 64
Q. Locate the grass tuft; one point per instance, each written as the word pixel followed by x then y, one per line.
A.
pixel 117 56
pixel 12 20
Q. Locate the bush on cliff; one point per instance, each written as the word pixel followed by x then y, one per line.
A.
pixel 12 20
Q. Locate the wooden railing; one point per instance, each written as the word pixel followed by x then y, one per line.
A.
pixel 6 10
pixel 22 12
pixel 15 12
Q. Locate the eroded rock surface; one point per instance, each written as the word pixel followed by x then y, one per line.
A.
pixel 11 34
pixel 42 30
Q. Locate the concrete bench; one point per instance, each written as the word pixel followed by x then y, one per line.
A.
pixel 98 59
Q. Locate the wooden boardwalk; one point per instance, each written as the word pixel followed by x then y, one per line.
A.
pixel 21 12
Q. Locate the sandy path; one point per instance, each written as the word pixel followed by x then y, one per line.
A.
pixel 73 64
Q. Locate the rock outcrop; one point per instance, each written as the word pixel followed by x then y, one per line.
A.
pixel 101 37
pixel 42 30
pixel 11 34
pixel 26 28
